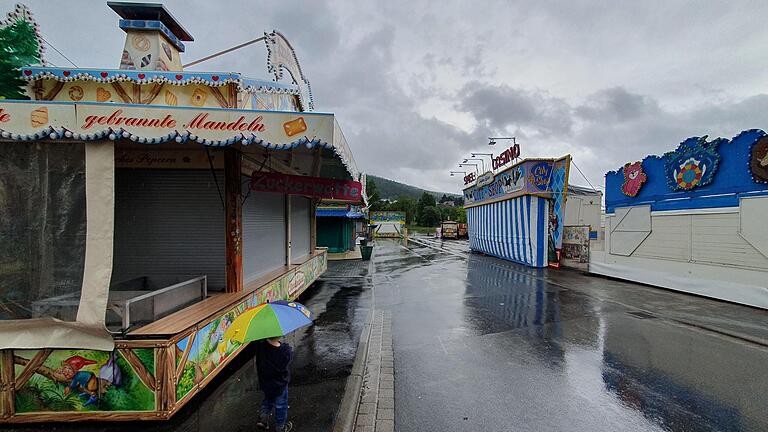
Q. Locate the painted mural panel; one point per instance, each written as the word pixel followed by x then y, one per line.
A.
pixel 510 182
pixel 531 176
pixel 213 349
pixel 190 376
pixel 700 173
pixel 210 349
pixel 387 216
pixel 576 247
pixel 85 381
pixel 558 184
pixel 758 160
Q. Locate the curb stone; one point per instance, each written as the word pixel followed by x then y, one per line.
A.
pixel 376 409
pixel 350 403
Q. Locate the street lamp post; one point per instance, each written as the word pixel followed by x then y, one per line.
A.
pixel 492 140
pixel 490 155
pixel 469 164
pixel 476 159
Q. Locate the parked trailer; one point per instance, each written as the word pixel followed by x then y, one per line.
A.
pixel 463 232
pixel 449 229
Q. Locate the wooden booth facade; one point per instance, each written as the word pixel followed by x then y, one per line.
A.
pixel 142 209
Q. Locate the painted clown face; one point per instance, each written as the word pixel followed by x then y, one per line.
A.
pixel 634 177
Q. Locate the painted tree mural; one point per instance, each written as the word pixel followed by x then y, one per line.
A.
pixel 19 47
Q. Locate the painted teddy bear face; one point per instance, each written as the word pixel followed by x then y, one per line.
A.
pixel 634 177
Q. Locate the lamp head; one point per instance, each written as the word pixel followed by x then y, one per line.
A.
pixel 492 142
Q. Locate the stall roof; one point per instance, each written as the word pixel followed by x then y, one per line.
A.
pixel 180 78
pixel 340 212
pixel 152 12
pixel 145 124
pixel 582 190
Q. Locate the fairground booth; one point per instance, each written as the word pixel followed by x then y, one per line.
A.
pixel 388 224
pixel 518 213
pixel 142 209
pixel 339 229
pixel 529 213
pixel 693 219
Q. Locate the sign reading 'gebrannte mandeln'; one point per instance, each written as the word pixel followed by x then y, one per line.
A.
pixel 26 118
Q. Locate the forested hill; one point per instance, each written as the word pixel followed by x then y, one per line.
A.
pixel 390 189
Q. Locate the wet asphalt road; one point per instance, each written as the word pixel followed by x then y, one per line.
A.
pixel 323 357
pixel 481 344
pixel 484 344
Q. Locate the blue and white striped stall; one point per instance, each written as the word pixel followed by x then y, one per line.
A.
pixel 514 229
pixel 519 213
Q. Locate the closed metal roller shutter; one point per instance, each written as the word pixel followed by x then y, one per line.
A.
pixel 264 246
pixel 300 227
pixel 169 227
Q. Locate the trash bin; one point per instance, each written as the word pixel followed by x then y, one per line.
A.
pixel 366 252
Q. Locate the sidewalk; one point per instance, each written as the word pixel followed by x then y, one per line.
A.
pixel 376 411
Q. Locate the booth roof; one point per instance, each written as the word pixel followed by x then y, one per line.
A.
pixel 66 120
pixel 180 78
pixel 582 190
pixel 339 212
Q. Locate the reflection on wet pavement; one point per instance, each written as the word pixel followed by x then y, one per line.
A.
pixel 484 344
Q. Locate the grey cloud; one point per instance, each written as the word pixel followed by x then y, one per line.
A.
pixel 499 107
pixel 617 103
pixel 605 144
pixel 557 77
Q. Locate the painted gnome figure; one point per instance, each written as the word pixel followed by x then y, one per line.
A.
pixel 90 386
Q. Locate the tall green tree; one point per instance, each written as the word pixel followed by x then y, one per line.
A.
pixel 18 48
pixel 426 200
pixel 374 198
pixel 429 216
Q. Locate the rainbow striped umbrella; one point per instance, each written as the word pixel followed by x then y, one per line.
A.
pixel 268 320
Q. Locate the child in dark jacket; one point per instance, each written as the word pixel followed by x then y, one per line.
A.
pixel 272 361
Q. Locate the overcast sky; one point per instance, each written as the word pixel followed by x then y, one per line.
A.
pixel 417 86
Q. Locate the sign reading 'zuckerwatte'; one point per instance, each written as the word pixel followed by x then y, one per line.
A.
pixel 345 190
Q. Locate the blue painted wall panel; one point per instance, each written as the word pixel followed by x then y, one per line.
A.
pixel 732 180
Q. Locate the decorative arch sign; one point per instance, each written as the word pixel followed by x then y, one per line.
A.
pixel 280 55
